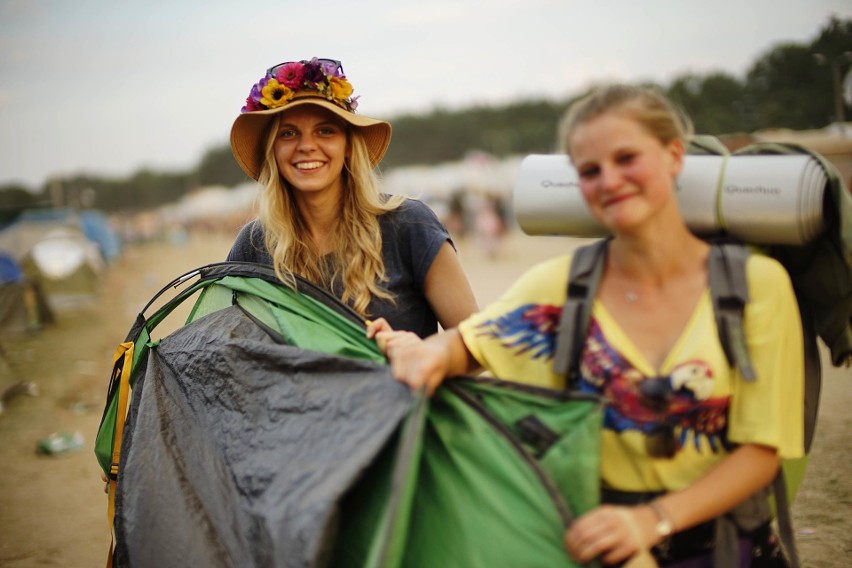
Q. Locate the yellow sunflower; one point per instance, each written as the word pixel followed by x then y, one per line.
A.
pixel 275 94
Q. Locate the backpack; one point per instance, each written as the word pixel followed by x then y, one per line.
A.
pixel 821 274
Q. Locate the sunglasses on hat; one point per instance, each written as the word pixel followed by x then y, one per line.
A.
pixel 272 71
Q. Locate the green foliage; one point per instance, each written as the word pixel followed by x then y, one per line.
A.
pixel 717 103
pixel 443 136
pixel 218 167
pixel 13 200
pixel 790 86
pixel 788 90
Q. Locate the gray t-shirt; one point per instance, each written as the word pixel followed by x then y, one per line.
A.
pixel 411 238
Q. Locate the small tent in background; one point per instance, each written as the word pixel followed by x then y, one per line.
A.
pixel 54 252
pixel 23 304
pixel 23 309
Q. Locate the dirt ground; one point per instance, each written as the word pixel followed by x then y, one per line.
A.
pixel 53 509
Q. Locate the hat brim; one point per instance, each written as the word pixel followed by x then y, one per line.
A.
pixel 248 130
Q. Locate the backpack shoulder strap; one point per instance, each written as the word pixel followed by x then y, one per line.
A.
pixel 583 279
pixel 729 292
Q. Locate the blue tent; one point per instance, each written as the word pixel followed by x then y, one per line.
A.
pixel 97 228
pixel 10 270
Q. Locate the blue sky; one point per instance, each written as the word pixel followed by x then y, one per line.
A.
pixel 108 87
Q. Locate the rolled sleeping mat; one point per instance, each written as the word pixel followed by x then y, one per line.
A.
pixel 771 199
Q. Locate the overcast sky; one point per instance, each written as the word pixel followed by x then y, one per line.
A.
pixel 107 87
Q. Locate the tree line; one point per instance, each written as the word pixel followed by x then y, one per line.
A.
pixel 792 85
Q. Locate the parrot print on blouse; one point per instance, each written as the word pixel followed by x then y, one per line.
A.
pixel 682 401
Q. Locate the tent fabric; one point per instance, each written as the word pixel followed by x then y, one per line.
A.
pixel 97 228
pixel 238 454
pixel 10 270
pixel 268 431
pixel 23 304
pixel 53 251
pixel 487 488
pixel 309 318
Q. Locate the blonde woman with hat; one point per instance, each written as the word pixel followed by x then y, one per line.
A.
pixel 322 215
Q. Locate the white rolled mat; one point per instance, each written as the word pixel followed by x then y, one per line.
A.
pixel 771 199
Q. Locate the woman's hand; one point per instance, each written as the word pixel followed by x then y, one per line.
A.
pixel 421 363
pixel 611 533
pixel 387 338
pixel 606 530
pixel 410 362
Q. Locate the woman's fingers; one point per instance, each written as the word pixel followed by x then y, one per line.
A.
pixel 603 533
pixel 376 326
pixel 390 342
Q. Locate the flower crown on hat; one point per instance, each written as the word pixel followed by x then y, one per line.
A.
pixel 324 77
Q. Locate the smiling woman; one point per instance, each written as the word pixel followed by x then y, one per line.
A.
pixel 322 215
pixel 688 442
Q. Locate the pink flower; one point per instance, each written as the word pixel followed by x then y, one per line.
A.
pixel 291 75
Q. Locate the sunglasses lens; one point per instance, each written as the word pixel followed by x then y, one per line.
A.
pixel 660 442
pixel 273 71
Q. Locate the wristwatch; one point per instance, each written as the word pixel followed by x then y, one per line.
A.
pixel 664 526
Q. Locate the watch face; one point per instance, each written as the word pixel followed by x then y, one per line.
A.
pixel 664 528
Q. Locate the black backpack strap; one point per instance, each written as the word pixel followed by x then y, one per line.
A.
pixel 583 280
pixel 729 292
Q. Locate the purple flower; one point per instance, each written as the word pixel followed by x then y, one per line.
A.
pixel 313 73
pixel 332 70
pixel 256 93
pixel 353 103
pixel 253 100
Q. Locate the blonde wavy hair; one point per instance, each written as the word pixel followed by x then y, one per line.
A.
pixel 356 238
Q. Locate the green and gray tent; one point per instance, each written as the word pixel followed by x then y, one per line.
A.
pixel 268 431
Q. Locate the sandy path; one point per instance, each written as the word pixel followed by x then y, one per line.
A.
pixel 53 511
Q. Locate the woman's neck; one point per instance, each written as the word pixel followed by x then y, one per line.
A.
pixel 657 252
pixel 320 213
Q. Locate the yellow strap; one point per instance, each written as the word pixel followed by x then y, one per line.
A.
pixel 122 361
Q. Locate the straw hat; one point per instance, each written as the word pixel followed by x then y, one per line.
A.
pixel 318 82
